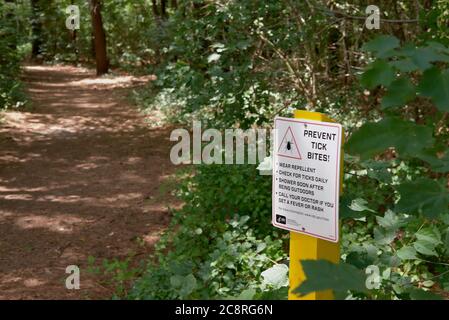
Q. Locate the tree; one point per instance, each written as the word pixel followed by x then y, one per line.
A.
pixel 99 38
pixel 36 28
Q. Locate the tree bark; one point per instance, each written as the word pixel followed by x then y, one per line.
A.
pixel 36 29
pixel 99 38
pixel 164 14
pixel 155 9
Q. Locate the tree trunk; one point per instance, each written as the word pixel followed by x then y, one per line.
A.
pixel 164 14
pixel 155 9
pixel 100 38
pixel 36 29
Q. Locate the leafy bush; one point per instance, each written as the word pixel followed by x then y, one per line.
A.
pixel 11 91
pixel 399 220
pixel 218 244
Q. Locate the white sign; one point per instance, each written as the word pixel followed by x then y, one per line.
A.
pixel 306 176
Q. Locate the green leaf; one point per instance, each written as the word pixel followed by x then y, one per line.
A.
pixel 438 162
pixel 418 294
pixel 261 246
pixel 184 285
pixel 381 46
pixel 323 275
pixel 374 137
pixel 383 236
pixel 424 196
pixel 276 276
pixel 354 209
pixel 404 65
pixel 407 253
pixel 422 57
pixel 176 281
pixel 425 247
pixel 213 57
pixel 247 294
pixel 359 204
pixel 377 73
pixel 428 283
pixel 358 259
pixel 435 85
pixel 390 221
pixel 378 170
pixel 429 234
pixel 188 285
pixel 400 91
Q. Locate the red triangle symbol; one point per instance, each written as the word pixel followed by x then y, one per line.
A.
pixel 289 147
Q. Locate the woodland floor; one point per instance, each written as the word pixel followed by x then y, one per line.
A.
pixel 80 176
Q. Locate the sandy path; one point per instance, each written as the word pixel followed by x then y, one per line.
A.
pixel 75 173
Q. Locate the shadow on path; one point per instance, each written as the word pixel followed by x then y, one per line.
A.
pixel 74 175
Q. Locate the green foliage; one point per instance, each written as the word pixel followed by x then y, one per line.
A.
pixel 435 85
pixel 405 136
pixel 425 196
pixel 397 222
pixel 396 198
pixel 116 273
pixel 322 275
pixel 11 91
pixel 240 63
pixel 216 247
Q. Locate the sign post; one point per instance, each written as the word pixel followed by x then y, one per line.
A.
pixel 307 173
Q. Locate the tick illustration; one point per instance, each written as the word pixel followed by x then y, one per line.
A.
pixel 289 146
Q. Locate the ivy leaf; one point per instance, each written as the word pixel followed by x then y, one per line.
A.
pixel 435 85
pixel 189 284
pixel 382 45
pixel 407 253
pixel 176 281
pixel 323 275
pixel 374 137
pixel 424 196
pixel 399 93
pixel 185 285
pixel 377 73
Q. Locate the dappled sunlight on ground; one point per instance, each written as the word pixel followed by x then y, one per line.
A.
pixel 75 172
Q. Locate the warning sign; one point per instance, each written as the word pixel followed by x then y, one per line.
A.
pixel 288 146
pixel 306 177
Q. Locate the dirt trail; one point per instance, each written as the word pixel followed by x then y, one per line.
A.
pixel 76 174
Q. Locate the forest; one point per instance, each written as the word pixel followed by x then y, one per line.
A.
pixel 91 91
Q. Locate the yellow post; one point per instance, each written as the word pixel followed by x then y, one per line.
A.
pixel 304 247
